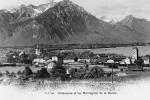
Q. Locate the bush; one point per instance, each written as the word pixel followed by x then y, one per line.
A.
pixel 77 73
pixel 7 72
pixel 113 66
pixel 12 75
pixel 1 74
pixel 19 72
pixel 27 72
pixel 95 72
pixel 139 61
pixel 58 71
pixel 72 72
pixel 42 73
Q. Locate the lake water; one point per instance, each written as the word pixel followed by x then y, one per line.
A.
pixel 127 51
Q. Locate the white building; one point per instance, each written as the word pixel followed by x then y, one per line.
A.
pixel 37 51
pixel 126 61
pixel 39 60
pixel 48 61
pixel 84 60
pixel 110 61
pixel 54 58
pixel 50 65
pixel 146 60
pixel 21 53
pixel 68 60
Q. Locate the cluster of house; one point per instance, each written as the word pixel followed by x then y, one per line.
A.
pixel 98 60
pixel 135 56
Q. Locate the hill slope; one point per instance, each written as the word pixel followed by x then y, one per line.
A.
pixel 66 23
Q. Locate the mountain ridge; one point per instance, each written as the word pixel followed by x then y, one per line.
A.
pixel 67 23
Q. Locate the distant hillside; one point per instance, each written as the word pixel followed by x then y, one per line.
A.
pixel 66 23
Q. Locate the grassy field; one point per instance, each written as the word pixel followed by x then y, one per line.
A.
pixel 129 75
pixel 99 84
pixel 104 83
pixel 16 69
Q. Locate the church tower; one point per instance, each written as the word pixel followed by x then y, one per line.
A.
pixel 135 54
pixel 37 51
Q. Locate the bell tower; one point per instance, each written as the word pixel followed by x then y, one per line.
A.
pixel 135 54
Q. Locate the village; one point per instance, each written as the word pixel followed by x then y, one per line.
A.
pixel 66 65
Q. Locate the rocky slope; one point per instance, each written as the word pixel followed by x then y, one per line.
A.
pixel 66 23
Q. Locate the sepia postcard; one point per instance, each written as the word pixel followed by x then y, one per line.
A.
pixel 74 49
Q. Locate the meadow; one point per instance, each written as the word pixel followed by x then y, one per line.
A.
pixel 103 83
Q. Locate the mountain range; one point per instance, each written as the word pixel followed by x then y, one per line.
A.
pixel 65 22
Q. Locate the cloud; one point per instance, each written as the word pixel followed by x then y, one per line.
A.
pixel 110 8
pixel 117 8
pixel 7 4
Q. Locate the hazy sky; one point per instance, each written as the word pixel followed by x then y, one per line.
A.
pixel 110 8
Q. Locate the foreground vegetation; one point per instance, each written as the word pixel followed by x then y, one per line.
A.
pixel 99 83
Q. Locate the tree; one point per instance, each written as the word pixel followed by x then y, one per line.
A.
pixel 76 59
pixel 42 73
pixel 95 72
pixel 27 72
pixel 139 61
pixel 58 71
pixel 1 74
pixel 13 57
pixel 113 66
pixel 7 72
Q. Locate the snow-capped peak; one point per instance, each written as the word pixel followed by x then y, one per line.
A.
pixel 109 20
pixel 113 21
pixel 105 19
pixel 34 10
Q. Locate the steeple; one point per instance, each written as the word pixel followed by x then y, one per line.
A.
pixel 135 54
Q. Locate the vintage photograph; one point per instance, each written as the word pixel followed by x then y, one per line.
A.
pixel 74 47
